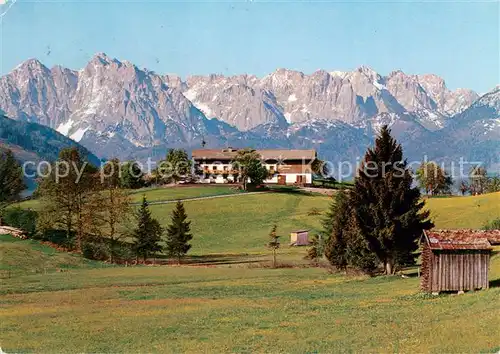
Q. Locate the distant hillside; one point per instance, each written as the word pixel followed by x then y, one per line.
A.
pixel 31 141
pixel 464 212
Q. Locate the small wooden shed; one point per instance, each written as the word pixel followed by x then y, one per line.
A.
pixel 299 238
pixel 455 260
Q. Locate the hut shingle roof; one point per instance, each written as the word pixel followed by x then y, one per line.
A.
pixel 460 239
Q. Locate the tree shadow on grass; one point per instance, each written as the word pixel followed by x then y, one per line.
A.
pixel 291 190
pixel 216 259
pixel 495 283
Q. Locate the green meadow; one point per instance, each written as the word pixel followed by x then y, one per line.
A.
pixel 226 299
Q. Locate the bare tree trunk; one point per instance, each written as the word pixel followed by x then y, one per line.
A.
pixel 389 267
pixel 274 258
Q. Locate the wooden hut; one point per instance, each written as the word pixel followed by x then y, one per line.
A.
pixel 456 260
pixel 299 238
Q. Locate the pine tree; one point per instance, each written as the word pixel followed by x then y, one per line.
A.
pixel 274 243
pixel 387 211
pixel 11 178
pixel 178 235
pixel 147 234
pixel 316 248
pixel 335 228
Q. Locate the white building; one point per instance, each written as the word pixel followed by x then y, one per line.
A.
pixel 286 167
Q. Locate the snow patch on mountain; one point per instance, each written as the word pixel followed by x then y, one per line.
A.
pixel 64 128
pixel 78 135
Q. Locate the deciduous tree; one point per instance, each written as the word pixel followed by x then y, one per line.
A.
pixel 248 163
pixel 478 180
pixel 114 209
pixel 433 179
pixel 66 194
pixel 132 177
pixel 175 166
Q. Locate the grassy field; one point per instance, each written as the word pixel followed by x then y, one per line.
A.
pixel 464 212
pixel 163 194
pixel 240 225
pixel 228 302
pixel 239 309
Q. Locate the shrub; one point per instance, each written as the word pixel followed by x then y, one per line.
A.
pixel 24 220
pixel 492 225
pixel 122 251
pixel 95 250
pixel 313 211
pixel 59 237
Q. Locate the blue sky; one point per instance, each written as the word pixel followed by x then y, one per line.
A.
pixel 456 40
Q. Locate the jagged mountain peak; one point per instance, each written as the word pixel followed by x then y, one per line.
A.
pixel 367 70
pixel 104 59
pixel 32 66
pixel 111 105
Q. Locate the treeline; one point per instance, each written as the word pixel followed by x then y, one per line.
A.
pixel 88 210
pixel 434 180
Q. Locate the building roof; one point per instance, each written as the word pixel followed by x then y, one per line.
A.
pixel 271 154
pixel 459 239
pixel 299 231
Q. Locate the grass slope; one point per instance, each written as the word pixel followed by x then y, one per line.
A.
pixel 20 257
pixel 175 193
pixel 464 212
pixel 200 309
pixel 191 309
pixel 242 224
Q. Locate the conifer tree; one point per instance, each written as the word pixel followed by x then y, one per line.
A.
pixel 316 248
pixel 178 233
pixel 335 228
pixel 11 178
pixel 387 211
pixel 147 234
pixel 274 243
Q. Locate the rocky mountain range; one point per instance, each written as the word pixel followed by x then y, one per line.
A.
pixel 114 108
